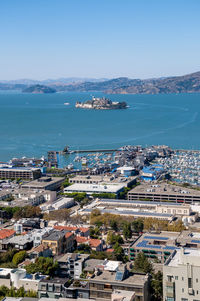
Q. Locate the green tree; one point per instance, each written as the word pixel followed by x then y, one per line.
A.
pixel 157 286
pixel 142 264
pixel 42 265
pixel 19 257
pixel 114 225
pixel 127 231
pixel 119 252
pixel 138 225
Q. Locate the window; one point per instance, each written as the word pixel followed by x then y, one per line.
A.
pixel 169 278
pixel 197 280
pixel 189 282
pixel 176 277
pixel 182 278
pixel 107 286
pixel 184 299
pixel 182 290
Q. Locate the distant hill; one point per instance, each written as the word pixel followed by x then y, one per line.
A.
pixel 39 89
pixel 178 84
pixel 189 83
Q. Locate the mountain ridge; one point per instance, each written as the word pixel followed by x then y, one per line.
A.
pixel 189 83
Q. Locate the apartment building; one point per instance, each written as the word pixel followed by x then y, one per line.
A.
pixel 71 265
pixel 181 276
pixel 103 284
pixel 59 242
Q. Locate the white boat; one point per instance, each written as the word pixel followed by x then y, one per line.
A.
pixel 66 103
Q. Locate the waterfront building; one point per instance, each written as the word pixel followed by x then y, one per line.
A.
pixel 20 173
pixel 113 188
pixel 164 192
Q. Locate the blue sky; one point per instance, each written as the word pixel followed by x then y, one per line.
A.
pixel 42 39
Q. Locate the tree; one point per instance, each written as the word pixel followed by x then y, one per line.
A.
pixel 19 257
pixel 42 265
pixel 119 252
pixel 113 239
pixel 127 232
pixel 8 256
pixel 138 225
pixel 142 264
pixel 114 225
pixel 157 286
pixel 58 215
pixel 27 212
pixel 94 232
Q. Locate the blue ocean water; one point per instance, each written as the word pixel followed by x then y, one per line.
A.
pixel 32 124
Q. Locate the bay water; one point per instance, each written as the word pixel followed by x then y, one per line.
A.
pixel 32 124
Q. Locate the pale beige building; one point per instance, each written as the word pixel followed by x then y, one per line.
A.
pixel 181 276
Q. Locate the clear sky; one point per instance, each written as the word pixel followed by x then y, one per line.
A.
pixel 42 39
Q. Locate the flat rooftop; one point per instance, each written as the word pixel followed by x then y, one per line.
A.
pixel 26 169
pixel 164 189
pixel 147 203
pixel 128 212
pixel 184 257
pixel 107 277
pixel 163 241
pixel 106 187
pixel 43 182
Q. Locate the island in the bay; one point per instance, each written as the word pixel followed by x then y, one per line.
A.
pixel 101 103
pixel 39 89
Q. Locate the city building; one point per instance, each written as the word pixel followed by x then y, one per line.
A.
pixel 104 283
pixel 39 251
pixel 158 246
pixel 114 188
pixel 45 183
pixel 108 178
pixel 53 288
pixel 164 192
pixel 121 295
pixel 152 172
pixel 129 212
pixel 181 276
pixel 20 173
pixel 19 242
pixel 4 234
pixel 59 241
pixel 61 203
pixel 71 265
pixel 19 278
pixel 4 195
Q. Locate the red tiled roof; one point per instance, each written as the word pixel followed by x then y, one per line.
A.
pixel 94 242
pixel 4 233
pixel 81 240
pixel 84 229
pixel 39 248
pixel 110 250
pixel 68 234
